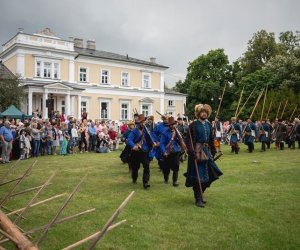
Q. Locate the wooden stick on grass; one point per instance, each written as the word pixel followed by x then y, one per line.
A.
pixel 110 221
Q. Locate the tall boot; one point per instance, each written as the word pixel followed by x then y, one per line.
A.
pixel 232 149
pixel 197 195
pixel 175 178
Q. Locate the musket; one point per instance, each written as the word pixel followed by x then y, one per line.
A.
pixel 195 161
pixel 148 132
pixel 218 156
pixel 221 100
pixel 283 109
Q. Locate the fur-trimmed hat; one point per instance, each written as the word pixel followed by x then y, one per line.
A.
pixel 130 123
pixel 297 120
pixel 233 118
pixel 202 107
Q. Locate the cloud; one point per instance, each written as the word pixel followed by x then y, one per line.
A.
pixel 173 31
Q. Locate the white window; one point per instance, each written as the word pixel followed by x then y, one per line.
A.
pixel 63 107
pixel 47 69
pixel 124 111
pixel 55 70
pixel 104 76
pixel 38 69
pixel 83 106
pixel 82 74
pixel 171 103
pixel 146 78
pixel 146 109
pixel 125 79
pixel 104 110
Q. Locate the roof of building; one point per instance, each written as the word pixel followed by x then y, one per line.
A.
pixel 5 73
pixel 173 92
pixel 114 56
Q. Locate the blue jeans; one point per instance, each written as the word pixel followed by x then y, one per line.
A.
pixel 61 143
pixel 36 148
pixel 49 146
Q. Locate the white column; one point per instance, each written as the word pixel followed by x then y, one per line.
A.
pixel 20 65
pixel 29 102
pixel 45 109
pixel 162 104
pixel 79 107
pixel 67 101
pixel 71 70
pixel 72 105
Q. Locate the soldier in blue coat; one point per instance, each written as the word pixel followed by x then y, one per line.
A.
pixel 235 133
pixel 170 142
pixel 250 133
pixel 264 132
pixel 140 143
pixel 156 135
pixel 201 150
pixel 126 153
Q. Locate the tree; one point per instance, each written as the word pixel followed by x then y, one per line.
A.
pixel 205 79
pixel 261 48
pixel 11 93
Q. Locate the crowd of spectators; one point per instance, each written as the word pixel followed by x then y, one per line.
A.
pixel 57 135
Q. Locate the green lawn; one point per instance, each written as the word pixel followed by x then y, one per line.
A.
pixel 255 204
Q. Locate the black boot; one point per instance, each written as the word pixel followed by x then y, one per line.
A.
pixel 175 178
pixel 198 199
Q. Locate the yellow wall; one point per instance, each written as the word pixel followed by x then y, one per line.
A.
pixel 64 70
pixel 11 64
pixel 29 66
pixel 115 110
pixel 135 76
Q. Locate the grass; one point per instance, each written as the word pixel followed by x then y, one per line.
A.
pixel 255 204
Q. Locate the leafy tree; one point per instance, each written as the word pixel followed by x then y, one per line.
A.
pixel 289 41
pixel 261 48
pixel 11 93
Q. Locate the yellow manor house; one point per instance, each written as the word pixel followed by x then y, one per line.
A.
pixel 66 76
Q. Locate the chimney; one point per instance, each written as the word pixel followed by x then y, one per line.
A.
pixel 78 43
pixel 91 44
pixel 153 60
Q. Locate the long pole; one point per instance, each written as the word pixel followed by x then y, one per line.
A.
pixel 221 99
pixel 283 109
pixel 278 110
pixel 245 102
pixel 269 110
pixel 263 107
pixel 110 221
pixel 59 211
pixel 293 112
pixel 93 236
pixel 195 161
pixel 257 101
pixel 237 108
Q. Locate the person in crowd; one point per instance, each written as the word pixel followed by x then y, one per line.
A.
pixel 113 135
pixel 235 133
pixel 83 130
pixel 170 142
pixel 126 153
pixel 264 132
pixel 36 137
pixel 6 138
pixel 201 170
pixel 92 136
pixel 250 133
pixel 140 143
pixel 74 138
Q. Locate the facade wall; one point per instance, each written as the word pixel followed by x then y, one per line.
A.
pixel 29 66
pixel 11 64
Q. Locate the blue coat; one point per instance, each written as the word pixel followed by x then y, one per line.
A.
pixel 262 131
pixel 136 137
pixel 249 138
pixel 235 130
pixel 156 135
pixel 208 170
pixel 165 141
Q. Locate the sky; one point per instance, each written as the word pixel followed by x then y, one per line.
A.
pixel 175 32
